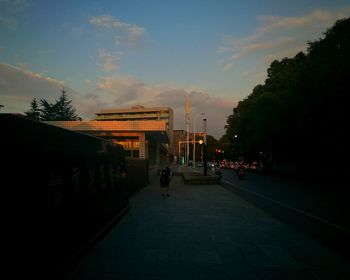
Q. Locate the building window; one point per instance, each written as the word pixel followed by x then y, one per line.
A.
pixel 129 144
pixel 132 153
pixel 127 153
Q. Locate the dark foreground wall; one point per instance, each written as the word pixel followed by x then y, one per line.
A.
pixel 61 189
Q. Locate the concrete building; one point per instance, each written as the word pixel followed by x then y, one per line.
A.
pixel 144 132
pixel 141 113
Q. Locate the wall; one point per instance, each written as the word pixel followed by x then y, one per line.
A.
pixel 62 190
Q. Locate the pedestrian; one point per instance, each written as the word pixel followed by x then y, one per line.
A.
pixel 165 180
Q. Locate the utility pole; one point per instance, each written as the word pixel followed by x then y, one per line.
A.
pixel 205 146
pixel 194 139
pixel 187 130
pixel 194 144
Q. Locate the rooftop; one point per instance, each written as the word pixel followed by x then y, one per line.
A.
pixel 138 109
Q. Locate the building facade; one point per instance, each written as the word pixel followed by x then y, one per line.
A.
pixel 141 113
pixel 141 133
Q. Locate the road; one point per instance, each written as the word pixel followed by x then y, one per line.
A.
pixel 320 210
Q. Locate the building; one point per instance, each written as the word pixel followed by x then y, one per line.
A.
pixel 138 113
pixel 144 132
pixel 141 113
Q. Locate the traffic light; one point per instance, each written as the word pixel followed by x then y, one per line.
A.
pixel 219 151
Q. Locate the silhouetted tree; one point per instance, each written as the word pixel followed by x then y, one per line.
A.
pixel 212 144
pixel 298 115
pixel 34 112
pixel 61 110
pixel 48 111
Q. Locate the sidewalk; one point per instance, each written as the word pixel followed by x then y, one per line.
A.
pixel 205 232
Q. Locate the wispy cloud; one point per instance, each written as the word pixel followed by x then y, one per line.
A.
pixel 43 52
pixel 22 70
pixel 108 22
pixel 277 37
pixel 10 23
pixel 130 34
pixel 9 9
pixel 18 87
pixel 123 35
pixel 109 60
pixel 124 92
pixel 13 6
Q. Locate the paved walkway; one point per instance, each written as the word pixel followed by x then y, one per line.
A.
pixel 205 232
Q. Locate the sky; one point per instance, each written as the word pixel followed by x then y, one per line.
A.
pixel 121 53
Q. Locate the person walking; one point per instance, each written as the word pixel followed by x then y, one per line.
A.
pixel 165 180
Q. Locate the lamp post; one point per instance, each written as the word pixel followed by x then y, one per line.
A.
pixel 194 139
pixel 205 146
pixel 187 129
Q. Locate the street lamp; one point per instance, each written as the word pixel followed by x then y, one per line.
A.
pixel 205 146
pixel 194 138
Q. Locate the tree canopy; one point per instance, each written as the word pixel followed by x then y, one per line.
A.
pixel 61 110
pixel 298 114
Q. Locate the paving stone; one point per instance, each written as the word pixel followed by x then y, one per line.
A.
pixel 205 232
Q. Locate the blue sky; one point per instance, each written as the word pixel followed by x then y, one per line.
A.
pixel 154 53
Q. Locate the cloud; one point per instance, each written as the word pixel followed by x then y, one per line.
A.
pixel 123 35
pixel 9 10
pixel 108 22
pixel 43 52
pixel 124 92
pixel 9 23
pixel 318 17
pixel 13 6
pixel 131 35
pixel 18 87
pixel 278 37
pixel 109 60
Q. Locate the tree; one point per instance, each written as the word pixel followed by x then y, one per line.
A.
pixel 48 111
pixel 298 116
pixel 61 110
pixel 212 144
pixel 34 112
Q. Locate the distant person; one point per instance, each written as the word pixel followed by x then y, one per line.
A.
pixel 165 180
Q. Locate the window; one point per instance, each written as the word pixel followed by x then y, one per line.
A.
pixel 127 153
